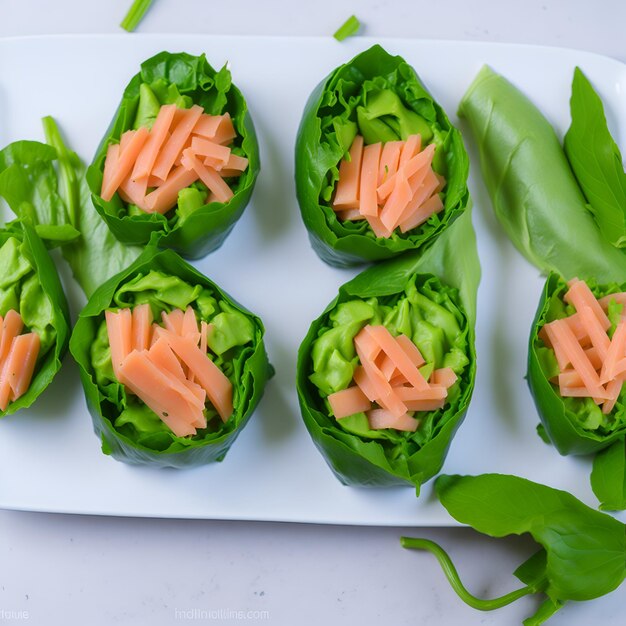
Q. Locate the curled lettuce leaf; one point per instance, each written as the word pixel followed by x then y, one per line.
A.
pixel 381 97
pixel 596 161
pixel 29 284
pixel 431 297
pixel 194 228
pixel 533 190
pixel 128 429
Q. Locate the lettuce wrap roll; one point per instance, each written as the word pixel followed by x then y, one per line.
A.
pixel 180 158
pixel 537 198
pixel 405 328
pixel 172 367
pixel 35 318
pixel 380 170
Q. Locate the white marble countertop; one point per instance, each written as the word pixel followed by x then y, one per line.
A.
pixel 62 569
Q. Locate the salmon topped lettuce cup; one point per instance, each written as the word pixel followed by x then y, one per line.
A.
pixel 386 373
pixel 34 318
pixel 172 367
pixel 380 170
pixel 180 159
pixel 577 364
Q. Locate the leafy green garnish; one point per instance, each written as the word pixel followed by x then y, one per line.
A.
pixel 582 551
pixel 135 14
pixel 349 28
pixel 596 161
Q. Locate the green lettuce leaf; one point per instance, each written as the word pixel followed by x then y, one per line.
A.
pixel 45 184
pixel 380 96
pixel 435 289
pixel 29 284
pixel 582 553
pixel 182 79
pixel 128 430
pixel 533 191
pixel 596 161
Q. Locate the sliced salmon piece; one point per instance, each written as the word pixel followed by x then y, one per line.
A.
pixel 217 386
pixel 417 163
pixel 110 164
pixel 165 197
pixel 615 352
pixel 351 215
pixel 175 144
pixel 128 153
pixel 20 363
pixel 208 176
pixel 368 202
pixel 411 350
pixel 174 321
pixel 379 419
pixel 412 147
pixel 119 328
pixel 167 397
pixel 164 358
pixel 348 402
pixel 396 353
pixel 12 326
pixel 425 405
pixel 389 159
pixel 444 376
pixel 190 326
pixel 158 136
pixel 432 206
pixel 397 201
pixel 207 125
pixel 599 339
pixel 207 148
pixel 142 326
pixel 579 294
pixel 347 192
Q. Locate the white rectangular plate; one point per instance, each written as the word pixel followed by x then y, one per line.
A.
pixel 50 459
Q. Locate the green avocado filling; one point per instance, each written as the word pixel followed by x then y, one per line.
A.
pixel 229 346
pixel 587 413
pixel 429 314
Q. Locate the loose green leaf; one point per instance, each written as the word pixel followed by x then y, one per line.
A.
pixel 382 97
pixel 131 432
pixel 349 28
pixel 96 242
pixel 533 191
pixel 135 14
pixel 597 161
pixel 447 277
pixel 182 79
pixel 608 478
pixel 583 553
